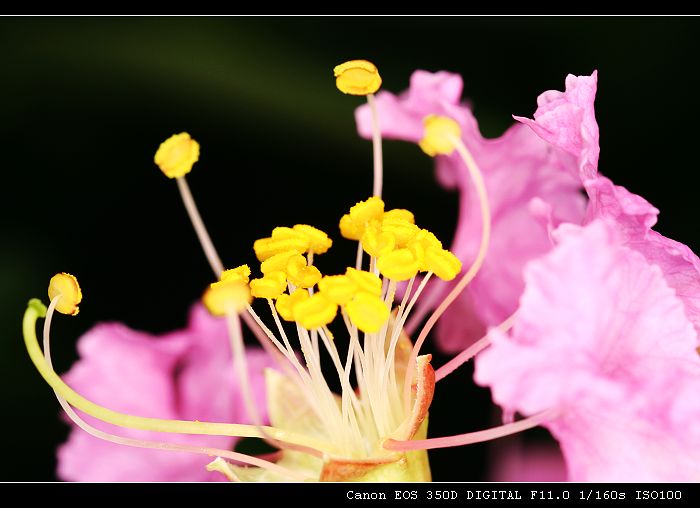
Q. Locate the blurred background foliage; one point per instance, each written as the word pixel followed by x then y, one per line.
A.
pixel 86 101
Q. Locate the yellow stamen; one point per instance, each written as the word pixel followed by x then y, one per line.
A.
pixel 442 263
pixel 315 312
pixel 278 262
pixel 366 281
pixel 399 265
pixel 241 273
pixel 339 289
pixel 319 243
pixel 357 77
pixel 271 285
pixel 350 230
pixel 400 213
pixel 226 296
pixel 439 132
pixel 286 304
pixel 300 274
pixel 402 230
pixel 66 286
pixel 268 247
pixel 177 154
pixel 367 210
pixel 367 312
pixel 376 241
pixel 35 310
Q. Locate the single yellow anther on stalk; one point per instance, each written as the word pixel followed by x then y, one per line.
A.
pixel 271 285
pixel 401 214
pixel 177 154
pixel 315 312
pixel 300 274
pixel 438 133
pixel 267 247
pixel 365 281
pixel 402 230
pixel 278 262
pixel 399 265
pixel 339 289
pixel 377 242
pixel 241 273
pixel 319 243
pixel 286 304
pixel 442 263
pixel 357 77
pixel 367 312
pixel 226 296
pixel 66 287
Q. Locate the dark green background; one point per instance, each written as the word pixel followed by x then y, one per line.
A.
pixel 86 101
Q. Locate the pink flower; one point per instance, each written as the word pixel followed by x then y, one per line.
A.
pixel 520 462
pixel 522 174
pixel 182 375
pixel 601 337
pixel 567 120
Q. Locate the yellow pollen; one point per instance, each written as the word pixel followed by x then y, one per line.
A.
pixel 350 230
pixel 339 289
pixel 367 210
pixel 399 265
pixel 241 273
pixel 438 131
pixel 376 241
pixel 315 312
pixel 365 281
pixel 401 214
pixel 278 262
pixel 367 312
pixel 402 230
pixel 319 243
pixel 286 304
pixel 66 286
pixel 300 274
pixel 357 77
pixel 268 247
pixel 177 154
pixel 442 263
pixel 231 295
pixel 271 285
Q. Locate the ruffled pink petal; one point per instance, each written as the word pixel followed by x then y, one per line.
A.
pixel 600 335
pixel 567 121
pixel 183 375
pixel 521 462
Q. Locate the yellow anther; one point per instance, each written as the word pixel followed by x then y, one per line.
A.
pixel 367 312
pixel 315 312
pixel 399 265
pixel 339 289
pixel 367 210
pixel 241 273
pixel 271 285
pixel 319 243
pixel 438 133
pixel 177 154
pixel 400 213
pixel 350 230
pixel 278 262
pixel 268 247
pixel 285 232
pixel 365 281
pixel 402 230
pixel 286 304
pixel 442 263
pixel 357 77
pixel 427 239
pixel 227 296
pixel 377 242
pixel 66 286
pixel 300 274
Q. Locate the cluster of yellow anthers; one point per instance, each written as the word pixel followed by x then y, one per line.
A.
pixel 398 250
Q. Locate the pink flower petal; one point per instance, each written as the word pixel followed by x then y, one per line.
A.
pixel 602 336
pixel 182 375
